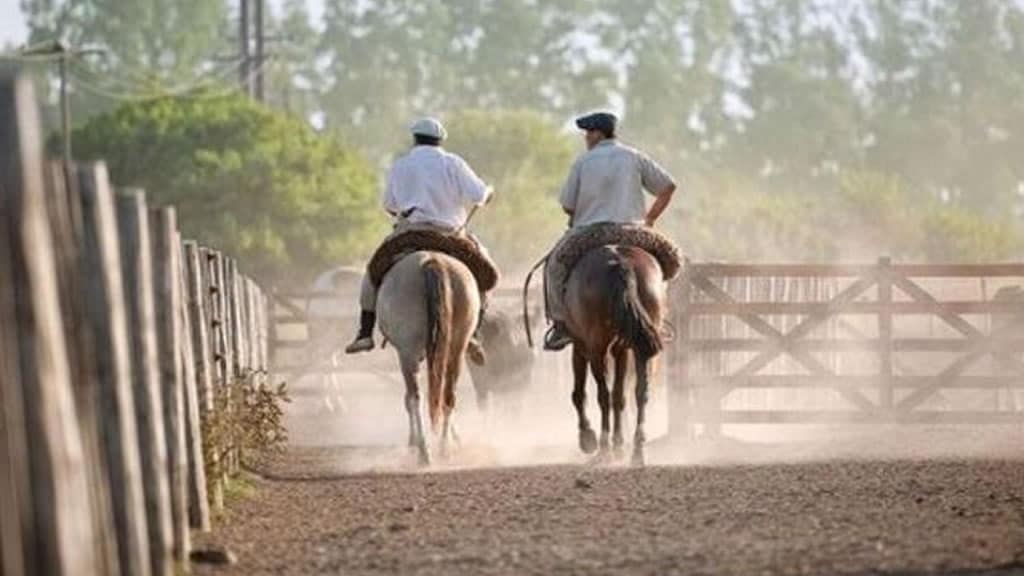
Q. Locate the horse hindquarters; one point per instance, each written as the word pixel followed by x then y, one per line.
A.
pixel 629 317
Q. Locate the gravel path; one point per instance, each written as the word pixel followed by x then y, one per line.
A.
pixel 892 516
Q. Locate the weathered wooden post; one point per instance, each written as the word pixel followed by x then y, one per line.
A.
pixel 234 335
pixel 136 252
pixel 46 526
pixel 167 299
pixel 250 322
pixel 65 211
pixel 220 323
pixel 885 374
pixel 198 504
pixel 679 415
pixel 199 314
pixel 107 322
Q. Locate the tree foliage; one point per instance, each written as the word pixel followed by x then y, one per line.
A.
pixel 260 185
pixel 774 115
pixel 526 158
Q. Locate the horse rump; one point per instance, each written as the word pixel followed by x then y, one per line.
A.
pixel 439 312
pixel 629 317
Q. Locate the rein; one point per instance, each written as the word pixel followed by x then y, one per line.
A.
pixel 526 293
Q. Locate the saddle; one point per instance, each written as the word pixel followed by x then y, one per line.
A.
pixel 655 243
pixel 458 246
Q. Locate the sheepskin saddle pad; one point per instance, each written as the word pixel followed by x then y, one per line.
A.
pixel 657 244
pixel 458 246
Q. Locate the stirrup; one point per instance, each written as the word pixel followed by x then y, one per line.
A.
pixel 557 338
pixel 363 344
pixel 475 352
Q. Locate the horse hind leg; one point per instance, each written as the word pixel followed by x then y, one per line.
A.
pixel 643 374
pixel 451 379
pixel 414 409
pixel 587 438
pixel 599 368
pixel 621 358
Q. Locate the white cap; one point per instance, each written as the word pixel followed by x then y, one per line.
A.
pixel 429 127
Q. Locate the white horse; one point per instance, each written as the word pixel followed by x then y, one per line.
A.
pixel 427 306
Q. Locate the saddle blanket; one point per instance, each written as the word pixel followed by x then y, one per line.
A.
pixel 657 244
pixel 458 246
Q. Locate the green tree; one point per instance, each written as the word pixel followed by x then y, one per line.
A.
pixel 801 124
pixel 670 52
pixel 391 60
pixel 257 184
pixel 526 158
pixel 292 79
pixel 144 39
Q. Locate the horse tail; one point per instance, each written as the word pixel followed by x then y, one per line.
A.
pixel 629 317
pixel 439 319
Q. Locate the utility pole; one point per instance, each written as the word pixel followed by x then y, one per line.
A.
pixel 260 55
pixel 244 78
pixel 62 54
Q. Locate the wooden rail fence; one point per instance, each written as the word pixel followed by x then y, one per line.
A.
pixel 864 339
pixel 116 340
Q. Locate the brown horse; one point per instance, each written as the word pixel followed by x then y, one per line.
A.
pixel 616 298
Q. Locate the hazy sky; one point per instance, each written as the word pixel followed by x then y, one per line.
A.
pixel 12 24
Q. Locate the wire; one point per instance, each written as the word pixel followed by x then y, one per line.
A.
pixel 18 57
pixel 213 80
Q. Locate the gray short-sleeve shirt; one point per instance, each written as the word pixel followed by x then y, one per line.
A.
pixel 606 184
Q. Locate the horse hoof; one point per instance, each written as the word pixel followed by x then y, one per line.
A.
pixel 638 459
pixel 619 452
pixel 602 458
pixel 588 441
pixel 424 458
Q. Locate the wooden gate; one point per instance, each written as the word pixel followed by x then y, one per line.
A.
pixel 891 341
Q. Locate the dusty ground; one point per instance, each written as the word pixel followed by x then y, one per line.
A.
pixel 523 501
pixel 873 517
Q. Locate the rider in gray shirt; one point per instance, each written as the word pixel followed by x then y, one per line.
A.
pixel 606 185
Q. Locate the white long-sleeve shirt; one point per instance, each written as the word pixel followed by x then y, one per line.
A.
pixel 437 183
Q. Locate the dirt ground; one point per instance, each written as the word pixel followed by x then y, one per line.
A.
pixel 945 516
pixel 346 498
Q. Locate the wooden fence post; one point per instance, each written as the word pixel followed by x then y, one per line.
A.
pixel 220 322
pixel 199 314
pixel 167 298
pixel 679 415
pixel 65 212
pixel 250 323
pixel 46 526
pixel 233 333
pixel 198 504
pixel 885 372
pixel 133 221
pixel 106 318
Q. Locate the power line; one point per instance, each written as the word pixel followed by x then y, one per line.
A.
pixel 99 85
pixel 212 80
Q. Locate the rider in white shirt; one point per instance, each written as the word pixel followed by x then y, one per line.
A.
pixel 428 189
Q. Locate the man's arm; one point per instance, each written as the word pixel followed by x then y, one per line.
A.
pixel 570 191
pixel 472 188
pixel 389 201
pixel 660 204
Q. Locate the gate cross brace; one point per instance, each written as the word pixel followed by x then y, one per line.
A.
pixel 780 342
pixel 981 347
